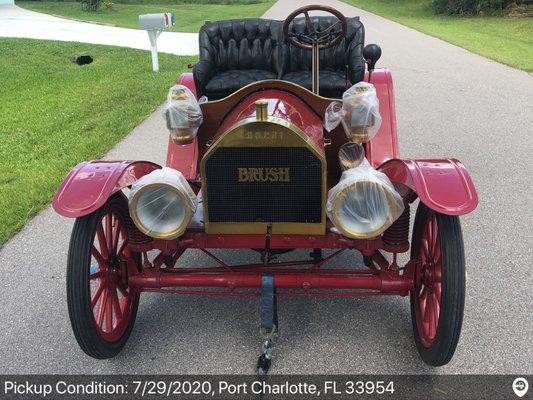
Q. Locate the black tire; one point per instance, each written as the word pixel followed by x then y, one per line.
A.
pixel 439 350
pixel 88 335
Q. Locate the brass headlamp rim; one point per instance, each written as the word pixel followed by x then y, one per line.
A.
pixel 182 136
pixel 342 227
pixel 354 135
pixel 159 235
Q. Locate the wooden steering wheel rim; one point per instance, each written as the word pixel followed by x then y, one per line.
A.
pixel 305 10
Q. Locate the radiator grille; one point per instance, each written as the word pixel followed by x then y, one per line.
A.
pixel 299 200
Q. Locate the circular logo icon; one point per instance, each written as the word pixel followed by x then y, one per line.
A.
pixel 520 386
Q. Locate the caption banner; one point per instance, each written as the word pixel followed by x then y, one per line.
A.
pixel 265 387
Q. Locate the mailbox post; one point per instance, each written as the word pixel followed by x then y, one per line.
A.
pixel 154 24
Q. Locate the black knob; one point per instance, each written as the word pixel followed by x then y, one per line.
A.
pixel 371 53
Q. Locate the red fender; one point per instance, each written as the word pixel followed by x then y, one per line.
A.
pixel 88 186
pixel 443 185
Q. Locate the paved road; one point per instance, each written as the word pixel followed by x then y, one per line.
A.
pixel 450 103
pixel 21 23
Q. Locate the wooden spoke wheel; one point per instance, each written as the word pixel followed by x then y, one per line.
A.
pixel 102 307
pixel 437 302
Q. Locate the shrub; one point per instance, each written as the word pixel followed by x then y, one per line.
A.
pixel 90 5
pixel 469 7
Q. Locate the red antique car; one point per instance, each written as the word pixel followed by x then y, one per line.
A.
pixel 283 137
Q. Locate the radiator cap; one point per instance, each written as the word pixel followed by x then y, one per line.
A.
pixel 261 109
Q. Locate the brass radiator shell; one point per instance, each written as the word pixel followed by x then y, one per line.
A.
pixel 269 132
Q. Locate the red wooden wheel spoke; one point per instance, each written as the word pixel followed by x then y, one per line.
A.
pixel 430 290
pixel 122 290
pixel 116 304
pixel 434 235
pixel 111 301
pixel 436 314
pixel 438 290
pixel 423 293
pixel 423 304
pixel 97 275
pixel 437 253
pixel 117 230
pixel 109 233
pixel 96 254
pixel 427 308
pixel 109 311
pixel 437 274
pixel 436 303
pixel 427 234
pixel 431 321
pixel 101 309
pixel 102 241
pixel 122 246
pixel 425 249
pixel 97 294
pixel 124 303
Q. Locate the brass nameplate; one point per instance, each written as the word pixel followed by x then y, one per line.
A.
pixel 264 174
pixel 262 134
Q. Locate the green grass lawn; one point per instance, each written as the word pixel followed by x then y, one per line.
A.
pixel 56 114
pixel 189 17
pixel 507 40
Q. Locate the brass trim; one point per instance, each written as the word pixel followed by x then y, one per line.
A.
pixel 315 69
pixel 250 132
pixel 226 141
pixel 280 228
pixel 170 235
pixel 182 136
pixel 357 235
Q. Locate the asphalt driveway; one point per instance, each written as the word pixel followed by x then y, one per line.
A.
pixel 450 103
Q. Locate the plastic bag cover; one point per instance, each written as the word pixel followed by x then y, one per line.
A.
pixel 358 112
pixel 182 111
pixel 364 203
pixel 168 209
pixel 171 177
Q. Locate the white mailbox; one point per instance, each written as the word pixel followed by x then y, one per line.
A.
pixel 154 24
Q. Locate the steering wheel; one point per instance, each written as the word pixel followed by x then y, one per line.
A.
pixel 327 38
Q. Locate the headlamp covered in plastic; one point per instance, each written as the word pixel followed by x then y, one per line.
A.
pixel 364 203
pixel 183 114
pixel 162 203
pixel 358 113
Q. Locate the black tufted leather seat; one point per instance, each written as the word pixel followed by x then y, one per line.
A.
pixel 228 82
pixel 235 53
pixel 340 66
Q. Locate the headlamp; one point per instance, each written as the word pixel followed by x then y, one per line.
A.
pixel 162 204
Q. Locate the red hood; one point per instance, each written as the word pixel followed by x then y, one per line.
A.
pixel 283 105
